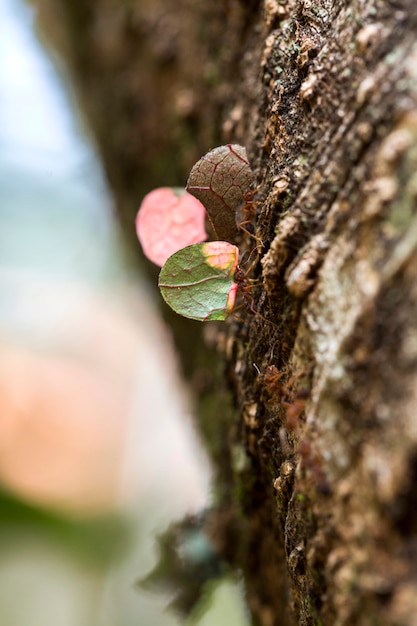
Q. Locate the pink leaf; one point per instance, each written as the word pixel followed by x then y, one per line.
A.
pixel 169 219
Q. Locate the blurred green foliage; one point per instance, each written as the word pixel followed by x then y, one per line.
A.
pixel 97 541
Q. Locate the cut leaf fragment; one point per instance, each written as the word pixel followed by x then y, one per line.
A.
pixel 169 218
pixel 220 180
pixel 198 281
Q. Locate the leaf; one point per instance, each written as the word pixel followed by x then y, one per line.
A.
pixel 169 219
pixel 220 180
pixel 198 281
pixel 189 566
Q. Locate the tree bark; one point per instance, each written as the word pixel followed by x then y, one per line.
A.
pixel 322 447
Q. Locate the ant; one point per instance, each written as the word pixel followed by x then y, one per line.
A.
pixel 292 403
pixel 272 377
pixel 245 288
pixel 246 213
pixel 314 463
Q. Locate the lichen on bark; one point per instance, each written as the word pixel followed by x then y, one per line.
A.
pixel 335 149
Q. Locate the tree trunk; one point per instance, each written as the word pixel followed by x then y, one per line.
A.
pixel 322 448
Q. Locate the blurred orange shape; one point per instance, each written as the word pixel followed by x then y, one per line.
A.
pixel 60 440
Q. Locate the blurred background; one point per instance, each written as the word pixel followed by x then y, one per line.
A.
pixel 97 448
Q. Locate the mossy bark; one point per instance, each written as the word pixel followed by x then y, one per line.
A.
pixel 322 446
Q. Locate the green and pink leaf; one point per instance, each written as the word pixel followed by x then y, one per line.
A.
pixel 198 281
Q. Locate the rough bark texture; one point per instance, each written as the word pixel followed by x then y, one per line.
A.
pixel 323 444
